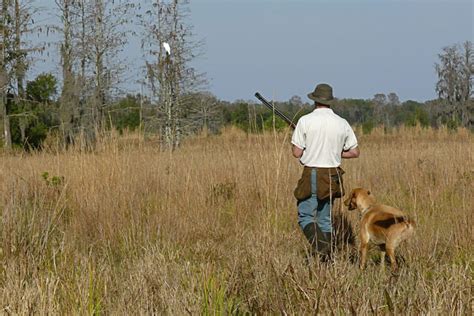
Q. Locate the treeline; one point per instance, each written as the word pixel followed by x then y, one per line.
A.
pixel 33 119
pixel 380 110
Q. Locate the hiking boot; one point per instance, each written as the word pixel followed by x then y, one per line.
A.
pixel 310 233
pixel 320 242
pixel 324 246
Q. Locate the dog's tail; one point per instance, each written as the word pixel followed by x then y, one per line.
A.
pixel 410 225
pixel 410 222
pixel 406 220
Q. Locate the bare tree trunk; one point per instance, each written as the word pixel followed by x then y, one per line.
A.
pixel 4 77
pixel 7 137
pixel 467 111
pixel 86 116
pixel 174 82
pixel 99 43
pixel 68 98
pixel 20 68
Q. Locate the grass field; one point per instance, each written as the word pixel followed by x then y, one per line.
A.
pixel 211 229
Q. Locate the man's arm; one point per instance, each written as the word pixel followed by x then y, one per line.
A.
pixel 298 139
pixel 350 149
pixel 297 152
pixel 351 153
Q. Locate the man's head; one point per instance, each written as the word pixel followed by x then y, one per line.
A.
pixel 322 95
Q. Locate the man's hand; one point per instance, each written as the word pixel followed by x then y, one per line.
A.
pixel 297 152
pixel 351 153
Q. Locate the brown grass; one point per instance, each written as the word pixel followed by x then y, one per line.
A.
pixel 211 229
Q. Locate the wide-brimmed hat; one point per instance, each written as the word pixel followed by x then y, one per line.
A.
pixel 322 94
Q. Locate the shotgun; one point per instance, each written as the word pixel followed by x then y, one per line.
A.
pixel 277 112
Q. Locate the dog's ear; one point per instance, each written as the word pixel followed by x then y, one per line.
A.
pixel 348 200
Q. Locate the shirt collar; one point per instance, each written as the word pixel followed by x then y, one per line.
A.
pixel 323 110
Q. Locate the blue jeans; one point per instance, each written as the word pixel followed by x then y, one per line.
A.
pixel 315 210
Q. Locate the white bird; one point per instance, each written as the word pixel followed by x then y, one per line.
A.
pixel 167 48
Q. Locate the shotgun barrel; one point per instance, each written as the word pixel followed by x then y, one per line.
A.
pixel 273 108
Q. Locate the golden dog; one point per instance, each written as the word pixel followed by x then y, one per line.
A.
pixel 383 225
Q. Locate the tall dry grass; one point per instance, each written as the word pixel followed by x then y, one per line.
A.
pixel 211 229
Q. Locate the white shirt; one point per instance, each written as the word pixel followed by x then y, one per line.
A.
pixel 323 135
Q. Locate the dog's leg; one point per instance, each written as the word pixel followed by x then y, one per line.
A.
pixel 391 255
pixel 363 254
pixel 364 244
pixel 382 256
pixel 382 260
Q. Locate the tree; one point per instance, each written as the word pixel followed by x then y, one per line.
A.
pixel 240 115
pixel 125 114
pixel 205 113
pixel 380 99
pixel 271 121
pixel 170 76
pixel 455 82
pixel 393 99
pixel 296 101
pixel 380 103
pixel 17 23
pixel 412 113
pixel 93 35
pixel 69 100
pixel 4 72
pixel 42 112
pixel 356 111
pixel 106 38
pixel 43 89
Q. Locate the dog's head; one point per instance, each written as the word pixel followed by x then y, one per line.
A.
pixel 353 201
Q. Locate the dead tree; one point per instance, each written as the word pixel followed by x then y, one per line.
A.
pixel 455 82
pixel 204 112
pixel 69 101
pixel 170 75
pixel 5 25
pixel 94 32
pixel 107 37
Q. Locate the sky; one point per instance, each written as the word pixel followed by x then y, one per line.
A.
pixel 284 48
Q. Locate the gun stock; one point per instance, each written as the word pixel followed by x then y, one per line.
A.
pixel 274 109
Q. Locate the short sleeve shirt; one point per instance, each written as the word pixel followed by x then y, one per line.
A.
pixel 323 135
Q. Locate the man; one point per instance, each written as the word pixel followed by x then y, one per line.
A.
pixel 321 139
